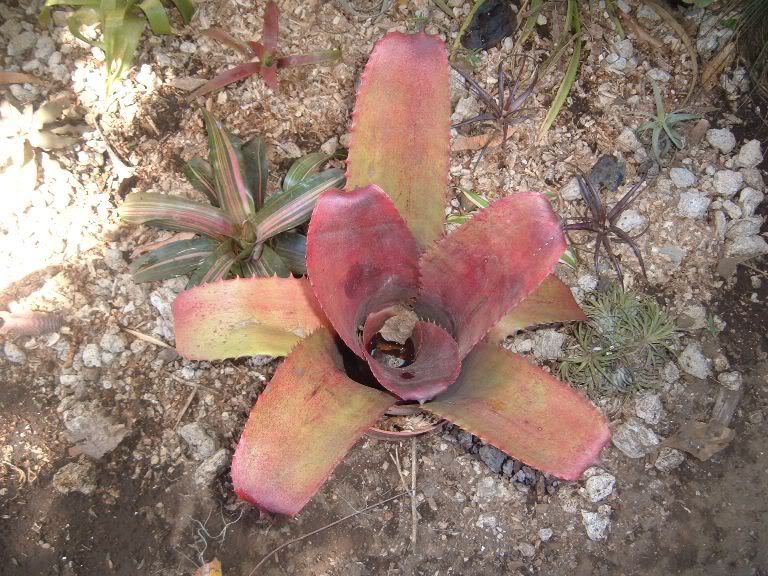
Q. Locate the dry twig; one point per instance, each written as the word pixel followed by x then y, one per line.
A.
pixel 331 525
pixel 414 512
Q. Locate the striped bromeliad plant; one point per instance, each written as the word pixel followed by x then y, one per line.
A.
pixel 383 276
pixel 243 232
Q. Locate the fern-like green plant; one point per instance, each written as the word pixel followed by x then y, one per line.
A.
pixel 121 24
pixel 623 347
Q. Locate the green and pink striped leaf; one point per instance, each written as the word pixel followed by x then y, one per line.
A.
pixel 245 317
pixel 303 168
pixel 256 169
pixel 199 174
pixel 176 213
pixel 401 127
pixel 292 207
pixel 215 267
pixel 268 264
pixel 305 421
pixel 551 302
pixel 226 160
pixel 292 248
pixel 477 274
pixel 178 258
pixel 524 412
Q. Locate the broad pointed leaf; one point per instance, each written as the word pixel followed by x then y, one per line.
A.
pixel 305 421
pixel 361 258
pixel 318 57
pixel 304 167
pixel 256 169
pixel 551 302
pixel 235 74
pixel 269 75
pixel 215 267
pixel 121 39
pixel 524 412
pixel 435 364
pixel 199 174
pixel 176 213
pixel 400 129
pixel 292 248
pixel 293 207
pixel 271 30
pixel 156 16
pixel 471 278
pixel 186 8
pixel 245 317
pixel 86 16
pixel 175 259
pixel 226 161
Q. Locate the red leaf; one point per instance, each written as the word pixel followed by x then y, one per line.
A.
pixel 470 279
pixel 257 48
pixel 524 412
pixel 239 72
pixel 361 258
pixel 269 75
pixel 245 317
pixel 271 30
pixel 435 365
pixel 302 425
pixel 551 302
pixel 401 127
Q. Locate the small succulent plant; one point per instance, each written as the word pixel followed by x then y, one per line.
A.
pixel 623 347
pixel 24 131
pixel 601 220
pixel 506 109
pixel 121 23
pixel 663 126
pixel 243 232
pixel 263 57
pixel 404 304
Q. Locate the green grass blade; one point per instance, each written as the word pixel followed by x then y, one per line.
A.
pixel 476 199
pixel 534 10
pixel 121 39
pixel 156 16
pixel 175 259
pixel 85 16
pixel 186 8
pixel 570 73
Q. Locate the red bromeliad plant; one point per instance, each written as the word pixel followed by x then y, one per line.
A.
pixel 383 277
pixel 263 56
